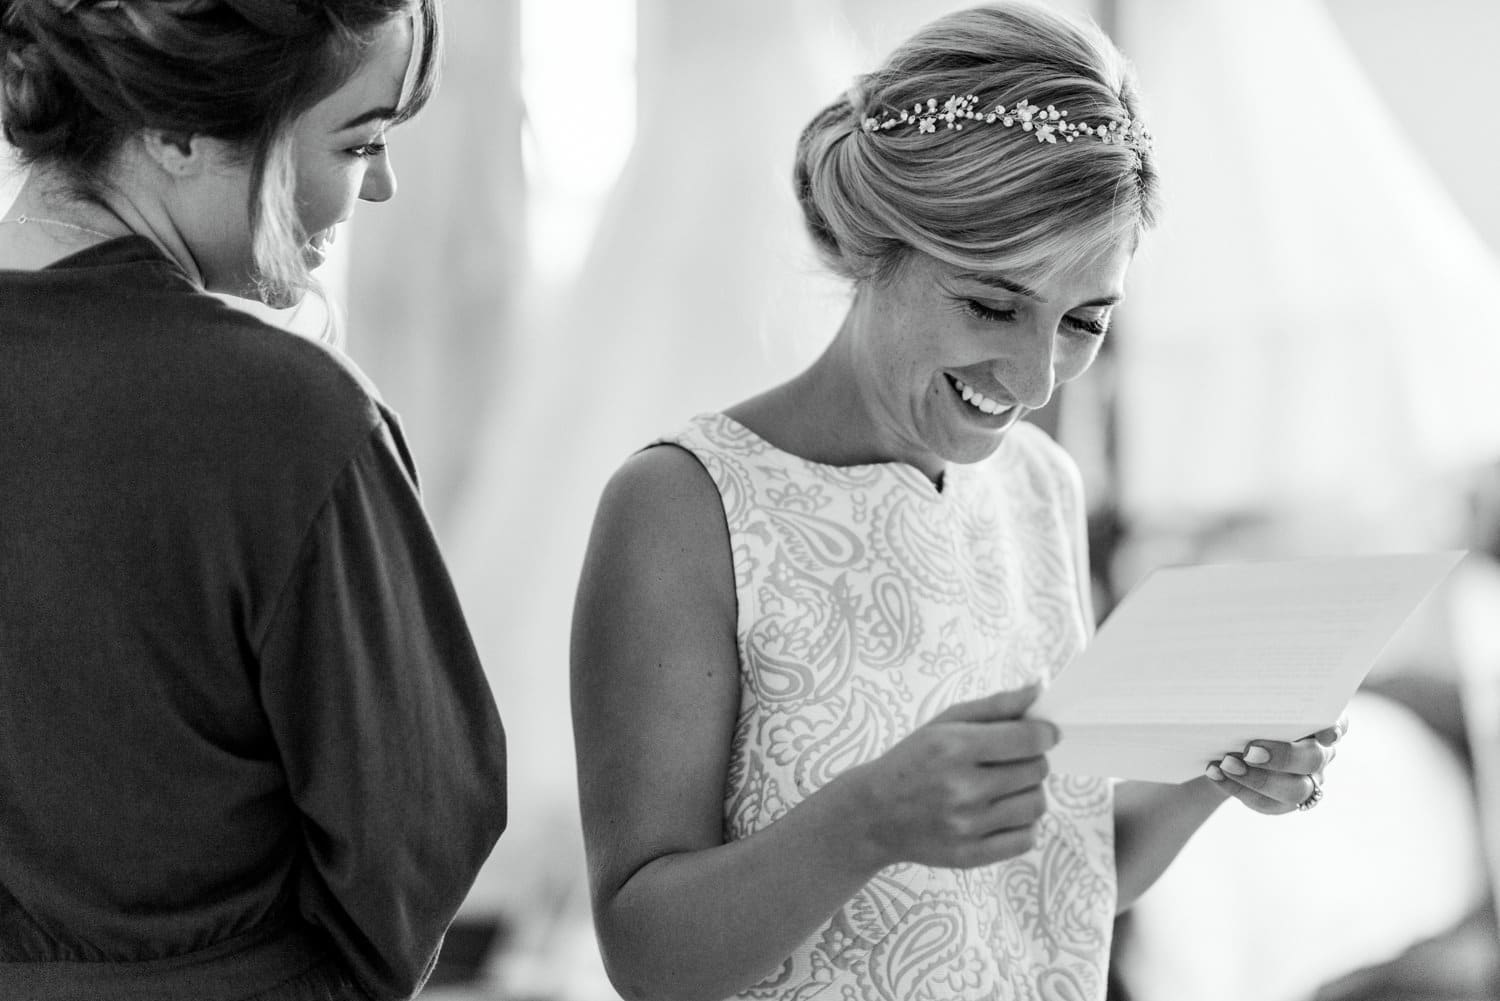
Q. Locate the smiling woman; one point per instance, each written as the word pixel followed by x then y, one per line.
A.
pixel 236 168
pixel 246 746
pixel 948 360
pixel 809 627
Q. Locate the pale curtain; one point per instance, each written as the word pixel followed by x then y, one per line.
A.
pixel 699 290
pixel 434 273
pixel 1309 323
pixel 1307 366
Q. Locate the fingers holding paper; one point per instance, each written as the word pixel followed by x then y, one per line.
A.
pixel 1274 777
pixel 1330 736
pixel 964 790
pixel 1261 789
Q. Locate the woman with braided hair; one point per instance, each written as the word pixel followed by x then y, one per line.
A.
pixel 246 747
pixel 808 628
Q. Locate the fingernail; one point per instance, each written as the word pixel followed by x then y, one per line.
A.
pixel 1257 755
pixel 1212 771
pixel 1233 765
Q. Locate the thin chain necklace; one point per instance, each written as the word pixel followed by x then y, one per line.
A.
pixel 22 220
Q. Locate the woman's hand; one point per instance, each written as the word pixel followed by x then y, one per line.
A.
pixel 963 790
pixel 1273 776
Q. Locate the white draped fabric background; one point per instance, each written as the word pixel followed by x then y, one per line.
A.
pixel 1307 346
pixel 697 290
pixel 1312 323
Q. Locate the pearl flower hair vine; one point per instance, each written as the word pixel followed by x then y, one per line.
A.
pixel 1047 124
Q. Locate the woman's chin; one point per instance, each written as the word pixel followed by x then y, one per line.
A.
pixel 314 255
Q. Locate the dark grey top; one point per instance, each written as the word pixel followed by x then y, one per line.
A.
pixel 244 734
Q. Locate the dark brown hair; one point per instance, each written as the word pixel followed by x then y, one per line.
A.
pixel 77 77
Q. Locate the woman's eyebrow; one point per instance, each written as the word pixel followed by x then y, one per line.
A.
pixel 1108 300
pixel 374 114
pixel 998 281
pixel 1001 282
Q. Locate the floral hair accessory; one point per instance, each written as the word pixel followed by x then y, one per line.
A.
pixel 1047 124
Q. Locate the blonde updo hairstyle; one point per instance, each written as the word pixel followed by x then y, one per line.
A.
pixel 984 198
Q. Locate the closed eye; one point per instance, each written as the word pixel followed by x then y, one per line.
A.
pixel 983 312
pixel 1094 327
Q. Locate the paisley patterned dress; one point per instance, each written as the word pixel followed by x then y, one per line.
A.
pixel 869 602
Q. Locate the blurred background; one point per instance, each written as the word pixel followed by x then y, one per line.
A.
pixel 595 238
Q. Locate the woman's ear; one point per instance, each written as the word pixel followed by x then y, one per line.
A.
pixel 180 154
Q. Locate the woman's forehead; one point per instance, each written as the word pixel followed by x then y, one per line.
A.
pixel 380 84
pixel 1100 275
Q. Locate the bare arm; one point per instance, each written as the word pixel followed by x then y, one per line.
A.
pixel 679 912
pixel 1153 821
pixel 655 693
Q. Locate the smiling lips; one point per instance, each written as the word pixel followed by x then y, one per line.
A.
pixel 315 251
pixel 978 400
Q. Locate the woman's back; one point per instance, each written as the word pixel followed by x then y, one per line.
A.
pixel 223 613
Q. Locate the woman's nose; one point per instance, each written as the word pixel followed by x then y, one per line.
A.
pixel 380 181
pixel 1029 372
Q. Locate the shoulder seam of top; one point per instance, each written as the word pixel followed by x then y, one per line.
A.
pixel 278 603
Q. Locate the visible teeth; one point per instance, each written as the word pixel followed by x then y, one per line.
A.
pixel 978 400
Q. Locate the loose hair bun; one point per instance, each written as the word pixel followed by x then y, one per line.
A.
pixel 37 101
pixel 828 126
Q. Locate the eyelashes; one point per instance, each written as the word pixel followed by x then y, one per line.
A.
pixel 369 150
pixel 1095 328
pixel 978 310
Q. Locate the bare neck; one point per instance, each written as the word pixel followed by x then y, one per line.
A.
pixel 819 414
pixel 49 221
pixel 134 202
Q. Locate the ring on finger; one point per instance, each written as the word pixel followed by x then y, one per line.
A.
pixel 1313 798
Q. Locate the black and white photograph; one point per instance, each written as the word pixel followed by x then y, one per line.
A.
pixel 691 500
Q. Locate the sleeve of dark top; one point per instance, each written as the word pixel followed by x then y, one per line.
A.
pixel 386 725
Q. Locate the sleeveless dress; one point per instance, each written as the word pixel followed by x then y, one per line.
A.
pixel 869 602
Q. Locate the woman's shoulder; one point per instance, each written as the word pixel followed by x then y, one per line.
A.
pixel 206 339
pixel 268 402
pixel 665 476
pixel 660 527
pixel 268 358
pixel 249 376
pixel 711 432
pixel 661 503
